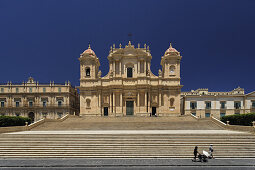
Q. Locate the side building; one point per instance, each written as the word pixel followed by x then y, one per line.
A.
pixel 37 101
pixel 202 103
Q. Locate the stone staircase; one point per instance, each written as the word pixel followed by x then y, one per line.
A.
pixel 126 137
pixel 240 145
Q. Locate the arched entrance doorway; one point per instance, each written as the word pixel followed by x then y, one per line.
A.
pixel 31 115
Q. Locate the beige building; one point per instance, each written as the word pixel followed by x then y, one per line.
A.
pixel 130 88
pixel 34 100
pixel 202 103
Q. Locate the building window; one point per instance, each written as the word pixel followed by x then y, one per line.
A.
pixel 17 104
pixel 208 105
pixel 237 105
pixel 222 114
pixel 223 105
pixel 207 114
pixel 87 71
pixel 59 103
pixel 129 72
pixel 30 90
pixel 44 103
pixel 194 113
pixel 193 105
pixel 17 90
pixel 2 104
pixel 17 114
pixel 44 90
pixel 253 104
pixel 30 104
pixel 2 90
pixel 59 89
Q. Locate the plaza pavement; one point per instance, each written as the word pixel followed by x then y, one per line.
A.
pixel 125 164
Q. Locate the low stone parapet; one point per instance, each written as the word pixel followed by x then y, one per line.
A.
pixel 233 127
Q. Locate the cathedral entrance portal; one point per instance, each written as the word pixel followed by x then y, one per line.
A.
pixel 129 108
pixel 154 111
pixel 105 111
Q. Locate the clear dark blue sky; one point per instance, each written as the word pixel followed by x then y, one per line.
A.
pixel 44 39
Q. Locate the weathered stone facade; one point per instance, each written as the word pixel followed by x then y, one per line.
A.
pixel 130 88
pixel 37 101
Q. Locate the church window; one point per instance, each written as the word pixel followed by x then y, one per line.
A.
pixel 44 103
pixel 172 102
pixel 44 89
pixel 17 90
pixel 141 66
pixel 2 90
pixel 129 72
pixel 17 104
pixel 59 89
pixel 59 103
pixel 87 71
pixel 88 103
pixel 172 69
pixel 30 90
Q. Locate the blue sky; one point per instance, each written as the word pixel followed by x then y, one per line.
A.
pixel 44 39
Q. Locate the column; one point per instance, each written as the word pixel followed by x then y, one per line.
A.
pixel 114 71
pixel 121 105
pixel 138 70
pixel 159 101
pixel 149 102
pixel 146 104
pixel 138 101
pixel 114 104
pixel 110 109
pixel 99 102
pixel 120 68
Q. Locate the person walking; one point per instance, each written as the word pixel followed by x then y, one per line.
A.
pixel 211 151
pixel 195 153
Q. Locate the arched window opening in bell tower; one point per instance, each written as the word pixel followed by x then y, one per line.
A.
pixel 172 69
pixel 172 102
pixel 129 72
pixel 87 72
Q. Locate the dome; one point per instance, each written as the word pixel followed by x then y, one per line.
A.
pixel 89 51
pixel 171 50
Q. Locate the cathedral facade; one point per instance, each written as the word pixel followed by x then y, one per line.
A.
pixel 130 88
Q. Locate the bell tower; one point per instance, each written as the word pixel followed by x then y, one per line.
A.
pixel 89 65
pixel 170 63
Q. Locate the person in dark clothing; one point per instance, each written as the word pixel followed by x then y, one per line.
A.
pixel 195 153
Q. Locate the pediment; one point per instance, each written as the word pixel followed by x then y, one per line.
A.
pixel 251 94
